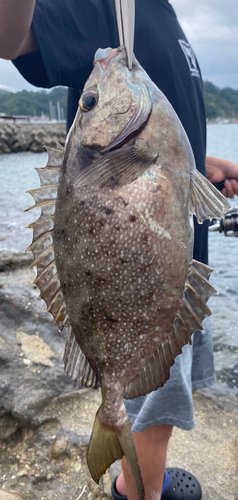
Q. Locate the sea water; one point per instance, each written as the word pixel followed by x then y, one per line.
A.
pixel 222 142
pixel 18 174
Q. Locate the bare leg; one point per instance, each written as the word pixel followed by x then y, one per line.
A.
pixel 151 446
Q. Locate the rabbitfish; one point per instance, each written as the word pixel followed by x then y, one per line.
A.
pixel 113 245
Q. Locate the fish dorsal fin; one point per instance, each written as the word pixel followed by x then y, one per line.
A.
pixel 76 364
pixel 206 201
pixel 193 310
pixel 42 245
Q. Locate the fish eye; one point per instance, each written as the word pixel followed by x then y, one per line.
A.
pixel 88 100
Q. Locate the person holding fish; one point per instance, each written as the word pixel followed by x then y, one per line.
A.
pixel 136 196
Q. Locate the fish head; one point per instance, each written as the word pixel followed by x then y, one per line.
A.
pixel 113 100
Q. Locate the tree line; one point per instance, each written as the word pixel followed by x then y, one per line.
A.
pixel 33 103
pixel 218 102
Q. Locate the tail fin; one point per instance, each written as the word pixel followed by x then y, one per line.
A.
pixel 109 443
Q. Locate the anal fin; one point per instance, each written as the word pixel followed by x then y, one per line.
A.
pixel 76 364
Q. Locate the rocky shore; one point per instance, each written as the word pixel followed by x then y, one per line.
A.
pixel 33 137
pixel 46 419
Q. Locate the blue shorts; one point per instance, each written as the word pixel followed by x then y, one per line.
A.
pixel 173 403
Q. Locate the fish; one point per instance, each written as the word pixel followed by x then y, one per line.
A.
pixel 113 246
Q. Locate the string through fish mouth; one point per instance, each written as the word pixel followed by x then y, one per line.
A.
pixel 125 11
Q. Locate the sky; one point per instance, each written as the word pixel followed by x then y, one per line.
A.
pixel 211 27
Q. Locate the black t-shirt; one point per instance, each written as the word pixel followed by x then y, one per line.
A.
pixel 69 33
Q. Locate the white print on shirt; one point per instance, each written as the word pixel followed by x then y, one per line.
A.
pixel 191 59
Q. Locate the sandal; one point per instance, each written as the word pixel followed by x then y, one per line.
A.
pixel 182 486
pixel 178 485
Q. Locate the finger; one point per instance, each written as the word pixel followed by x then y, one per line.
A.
pixel 229 189
pixel 234 184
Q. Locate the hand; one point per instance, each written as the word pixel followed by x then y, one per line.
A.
pixel 218 170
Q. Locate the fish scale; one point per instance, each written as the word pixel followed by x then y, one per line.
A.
pixel 95 265
pixel 113 246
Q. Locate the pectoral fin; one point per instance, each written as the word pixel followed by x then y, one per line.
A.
pixel 118 168
pixel 206 201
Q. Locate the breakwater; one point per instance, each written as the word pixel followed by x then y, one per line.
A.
pixel 15 137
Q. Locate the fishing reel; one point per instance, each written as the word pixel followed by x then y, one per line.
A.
pixel 228 225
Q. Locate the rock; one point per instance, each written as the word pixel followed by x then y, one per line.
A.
pixel 8 426
pixel 24 276
pixel 4 148
pixel 16 137
pixel 27 332
pixel 4 495
pixel 34 348
pixel 8 133
pixel 10 261
pixel 59 446
pixel 21 144
pixel 227 402
pixel 20 264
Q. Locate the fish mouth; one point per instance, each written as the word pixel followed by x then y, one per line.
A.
pixel 104 56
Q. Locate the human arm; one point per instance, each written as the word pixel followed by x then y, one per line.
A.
pixel 16 37
pixel 218 170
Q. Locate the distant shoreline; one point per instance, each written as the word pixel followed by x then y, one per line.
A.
pixel 15 137
pixel 222 121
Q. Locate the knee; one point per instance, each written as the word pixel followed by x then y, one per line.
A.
pixel 156 434
pixel 164 431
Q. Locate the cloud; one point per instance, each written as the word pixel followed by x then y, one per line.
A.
pixel 10 78
pixel 205 22
pixel 223 12
pixel 211 27
pixel 6 87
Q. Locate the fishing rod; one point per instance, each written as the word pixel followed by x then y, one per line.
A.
pixel 228 225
